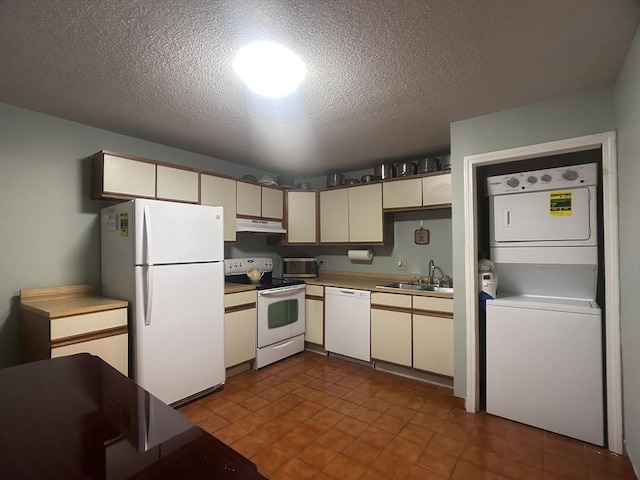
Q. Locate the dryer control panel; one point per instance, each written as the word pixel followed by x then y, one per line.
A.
pixel 548 179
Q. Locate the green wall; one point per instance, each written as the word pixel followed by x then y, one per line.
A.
pixel 566 117
pixel 627 109
pixel 575 115
pixel 49 230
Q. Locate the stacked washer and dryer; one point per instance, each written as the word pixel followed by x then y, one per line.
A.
pixel 544 330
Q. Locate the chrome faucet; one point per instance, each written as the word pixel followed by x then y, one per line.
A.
pixel 432 270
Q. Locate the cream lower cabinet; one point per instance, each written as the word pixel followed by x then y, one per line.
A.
pixel 112 349
pixel 314 311
pixel 301 217
pixel 391 328
pixel 60 321
pixel 240 327
pixel 433 334
pixel 221 191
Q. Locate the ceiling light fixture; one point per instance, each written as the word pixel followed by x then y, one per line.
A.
pixel 269 69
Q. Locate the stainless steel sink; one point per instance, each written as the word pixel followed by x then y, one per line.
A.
pixel 421 287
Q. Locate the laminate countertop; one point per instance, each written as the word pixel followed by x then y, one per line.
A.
pixel 353 280
pixel 57 302
pixel 360 281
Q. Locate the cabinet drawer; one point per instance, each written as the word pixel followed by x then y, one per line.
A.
pixel 240 298
pixel 90 322
pixel 433 304
pixel 316 290
pixel 112 350
pixel 390 300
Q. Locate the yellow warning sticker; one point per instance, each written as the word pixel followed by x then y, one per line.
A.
pixel 124 224
pixel 560 203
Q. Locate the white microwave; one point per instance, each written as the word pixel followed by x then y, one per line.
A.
pixel 300 267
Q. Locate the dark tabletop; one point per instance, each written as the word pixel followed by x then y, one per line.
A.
pixel 77 417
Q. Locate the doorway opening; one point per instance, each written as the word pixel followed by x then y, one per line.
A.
pixel 475 168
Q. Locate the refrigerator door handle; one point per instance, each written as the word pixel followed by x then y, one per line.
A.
pixel 149 297
pixel 147 235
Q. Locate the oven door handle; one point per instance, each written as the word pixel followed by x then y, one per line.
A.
pixel 280 293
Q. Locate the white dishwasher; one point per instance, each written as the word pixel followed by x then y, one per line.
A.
pixel 348 322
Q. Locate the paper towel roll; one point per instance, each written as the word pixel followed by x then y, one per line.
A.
pixel 360 255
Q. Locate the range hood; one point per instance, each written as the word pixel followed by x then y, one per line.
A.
pixel 253 225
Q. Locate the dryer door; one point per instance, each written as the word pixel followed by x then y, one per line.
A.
pixel 549 216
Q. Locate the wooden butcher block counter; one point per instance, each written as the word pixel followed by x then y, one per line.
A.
pixel 72 319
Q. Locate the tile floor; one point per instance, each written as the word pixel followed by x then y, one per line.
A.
pixel 316 417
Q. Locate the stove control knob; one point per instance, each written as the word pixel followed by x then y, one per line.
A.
pixel 531 179
pixel 546 177
pixel 513 182
pixel 570 175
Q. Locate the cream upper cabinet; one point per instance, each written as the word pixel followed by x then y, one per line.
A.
pixel 436 190
pixel 391 328
pixel 402 193
pixel 334 216
pixel 221 191
pixel 272 203
pixel 177 184
pixel 254 200
pixel 352 215
pixel 314 312
pixel 365 214
pixel 119 177
pixel 249 199
pixel 433 334
pixel 301 217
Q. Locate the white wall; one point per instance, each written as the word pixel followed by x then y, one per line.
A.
pixel 49 230
pixel 565 117
pixel 627 111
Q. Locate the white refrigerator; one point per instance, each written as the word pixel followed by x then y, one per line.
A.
pixel 166 259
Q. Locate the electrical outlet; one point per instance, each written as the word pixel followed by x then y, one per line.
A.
pixel 402 264
pixel 324 263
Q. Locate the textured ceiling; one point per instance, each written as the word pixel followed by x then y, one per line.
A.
pixel 385 77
